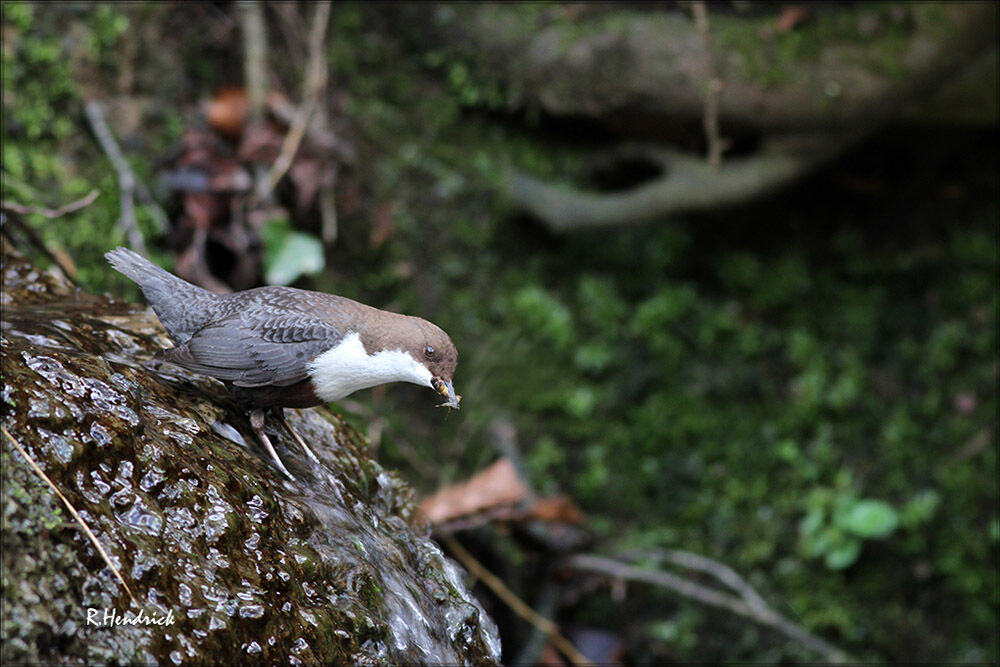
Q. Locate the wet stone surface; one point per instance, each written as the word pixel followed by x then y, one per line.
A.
pixel 165 470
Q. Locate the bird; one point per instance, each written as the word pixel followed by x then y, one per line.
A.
pixel 279 347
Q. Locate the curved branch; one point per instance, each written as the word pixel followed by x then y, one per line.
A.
pixel 709 596
pixel 689 185
pixel 516 604
pixel 315 81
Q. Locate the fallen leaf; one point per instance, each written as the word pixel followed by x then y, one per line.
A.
pixel 496 485
pixel 559 509
pixel 227 111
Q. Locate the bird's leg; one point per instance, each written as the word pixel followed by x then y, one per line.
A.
pixel 257 422
pixel 280 414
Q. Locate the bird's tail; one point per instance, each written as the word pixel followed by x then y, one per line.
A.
pixel 181 306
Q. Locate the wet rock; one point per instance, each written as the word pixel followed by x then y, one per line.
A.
pixel 238 563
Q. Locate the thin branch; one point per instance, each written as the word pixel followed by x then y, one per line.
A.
pixel 72 510
pixel 126 177
pixel 713 88
pixel 709 596
pixel 49 213
pixel 516 604
pixel 315 81
pixel 58 258
pixel 722 572
pixel 254 58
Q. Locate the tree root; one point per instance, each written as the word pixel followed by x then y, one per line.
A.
pixel 689 184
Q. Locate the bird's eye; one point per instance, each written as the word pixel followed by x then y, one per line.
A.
pixel 429 352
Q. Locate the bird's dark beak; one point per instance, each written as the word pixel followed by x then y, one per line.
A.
pixel 444 388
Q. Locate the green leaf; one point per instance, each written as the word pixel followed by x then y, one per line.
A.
pixel 289 254
pixel 870 518
pixel 843 554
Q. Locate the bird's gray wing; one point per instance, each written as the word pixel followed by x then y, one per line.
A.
pixel 251 350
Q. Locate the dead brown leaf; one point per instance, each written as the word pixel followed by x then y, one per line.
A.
pixel 559 509
pixel 227 111
pixel 495 486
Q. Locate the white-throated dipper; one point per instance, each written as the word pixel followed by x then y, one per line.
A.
pixel 281 347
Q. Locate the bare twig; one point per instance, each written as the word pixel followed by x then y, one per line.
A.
pixel 254 58
pixel 315 81
pixel 72 510
pixel 49 213
pixel 709 596
pixel 58 257
pixel 713 88
pixel 517 605
pixel 305 120
pixel 318 136
pixel 126 177
pixel 722 572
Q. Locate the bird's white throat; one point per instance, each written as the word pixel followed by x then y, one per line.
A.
pixel 346 368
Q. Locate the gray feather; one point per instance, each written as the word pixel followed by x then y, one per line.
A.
pixel 253 353
pixel 183 308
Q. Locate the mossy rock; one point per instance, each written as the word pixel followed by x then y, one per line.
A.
pixel 243 564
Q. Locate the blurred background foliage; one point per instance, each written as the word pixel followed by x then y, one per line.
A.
pixel 803 388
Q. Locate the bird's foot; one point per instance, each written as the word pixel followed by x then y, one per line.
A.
pixel 257 422
pixel 295 436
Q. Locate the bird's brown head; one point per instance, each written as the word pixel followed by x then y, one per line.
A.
pixel 431 347
pixel 438 354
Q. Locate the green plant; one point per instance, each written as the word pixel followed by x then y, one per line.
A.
pixel 837 522
pixel 289 254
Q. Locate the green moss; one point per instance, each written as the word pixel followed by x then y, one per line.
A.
pixel 778 59
pixel 49 157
